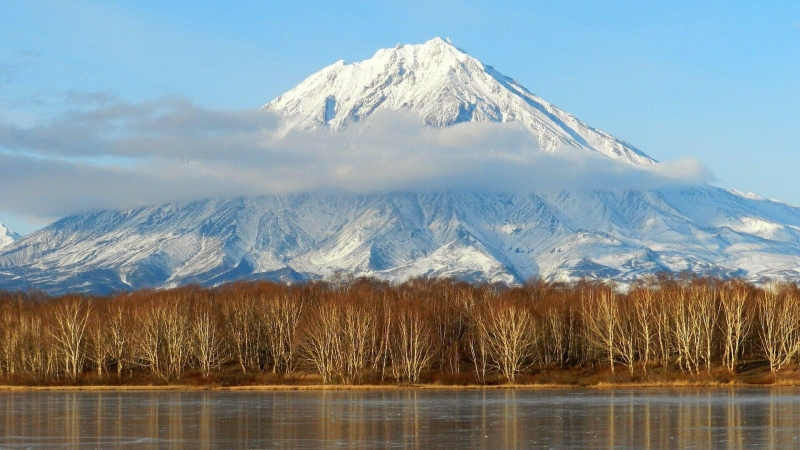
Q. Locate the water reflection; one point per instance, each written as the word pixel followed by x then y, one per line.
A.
pixel 490 419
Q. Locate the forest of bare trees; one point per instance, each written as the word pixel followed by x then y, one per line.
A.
pixel 365 331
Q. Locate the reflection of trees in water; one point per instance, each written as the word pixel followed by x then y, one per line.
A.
pixel 647 419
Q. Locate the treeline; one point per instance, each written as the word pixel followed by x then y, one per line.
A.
pixel 368 331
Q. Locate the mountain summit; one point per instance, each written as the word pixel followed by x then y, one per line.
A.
pixel 443 85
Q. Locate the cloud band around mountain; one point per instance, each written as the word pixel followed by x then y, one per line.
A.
pixel 119 155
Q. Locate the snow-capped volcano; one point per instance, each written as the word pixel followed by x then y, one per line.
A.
pixel 443 85
pixel 7 237
pixel 497 237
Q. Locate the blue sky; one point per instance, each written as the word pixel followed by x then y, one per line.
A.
pixel 715 80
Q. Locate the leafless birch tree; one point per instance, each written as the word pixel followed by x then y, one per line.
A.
pixel 779 319
pixel 69 333
pixel 411 343
pixel 510 335
pixel 737 320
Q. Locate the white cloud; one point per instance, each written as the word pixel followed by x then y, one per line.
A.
pixel 110 154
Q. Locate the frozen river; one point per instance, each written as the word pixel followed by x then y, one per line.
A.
pixel 490 419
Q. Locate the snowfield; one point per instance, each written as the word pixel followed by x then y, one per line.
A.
pixel 479 237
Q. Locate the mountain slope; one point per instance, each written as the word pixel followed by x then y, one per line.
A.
pixel 7 237
pixel 442 85
pixel 479 237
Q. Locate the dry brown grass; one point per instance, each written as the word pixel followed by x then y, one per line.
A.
pixel 774 381
pixel 753 373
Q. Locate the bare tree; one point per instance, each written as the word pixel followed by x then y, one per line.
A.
pixel 39 355
pixel 245 330
pixel 119 335
pixel 208 345
pixel 706 311
pixel 686 330
pixel 281 316
pixel 779 317
pixel 10 339
pixel 628 334
pixel 559 336
pixel 100 345
pixel 352 354
pixel 148 341
pixel 664 329
pixel 737 320
pixel 338 339
pixel 385 330
pixel 510 335
pixel 476 339
pixel 69 333
pixel 601 320
pixel 177 336
pixel 412 342
pixel 644 310
pixel 321 339
pixel 450 304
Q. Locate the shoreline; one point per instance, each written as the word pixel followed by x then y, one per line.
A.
pixel 390 387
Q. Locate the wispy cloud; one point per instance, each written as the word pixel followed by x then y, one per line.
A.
pixel 12 65
pixel 105 153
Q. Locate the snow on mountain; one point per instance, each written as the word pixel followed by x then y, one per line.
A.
pixel 495 237
pixel 479 237
pixel 443 85
pixel 7 236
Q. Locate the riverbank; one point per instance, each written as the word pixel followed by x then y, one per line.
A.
pixel 377 387
pixel 546 379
